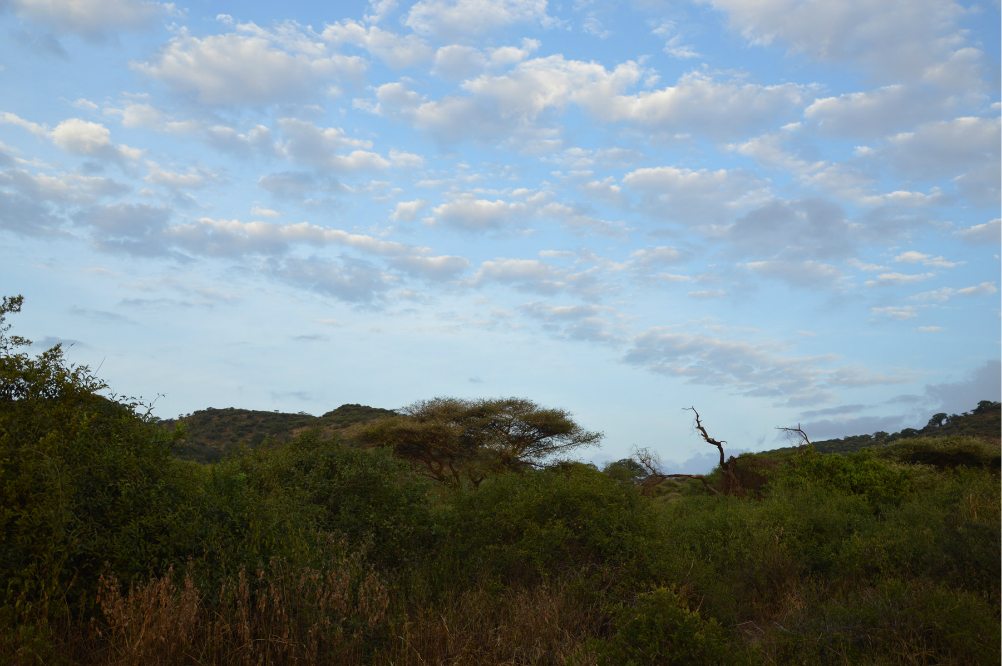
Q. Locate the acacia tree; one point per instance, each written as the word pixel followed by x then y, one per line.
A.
pixel 451 439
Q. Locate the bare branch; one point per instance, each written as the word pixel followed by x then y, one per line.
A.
pixel 796 436
pixel 651 463
pixel 706 437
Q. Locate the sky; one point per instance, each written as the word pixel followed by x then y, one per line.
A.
pixel 777 212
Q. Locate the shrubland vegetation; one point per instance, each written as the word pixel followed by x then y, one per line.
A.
pixel 348 547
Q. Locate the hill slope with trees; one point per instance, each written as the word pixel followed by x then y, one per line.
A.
pixel 982 422
pixel 210 433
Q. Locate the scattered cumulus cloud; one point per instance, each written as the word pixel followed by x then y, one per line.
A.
pixel 92 19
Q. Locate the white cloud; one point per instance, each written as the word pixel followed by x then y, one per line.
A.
pixel 472 214
pixel 593 26
pixel 944 294
pixel 707 294
pixel 499 105
pixel 655 256
pixel 894 279
pixel 395 50
pixel 931 329
pixel 457 61
pixel 897 311
pixel 13 119
pixel 575 322
pixel 811 274
pixel 257 140
pixel 875 113
pixel 379 10
pixel 81 137
pixel 889 39
pixel 265 212
pixel 532 275
pixel 85 104
pixel 965 149
pixel 92 18
pixel 807 229
pixel 578 220
pixel 59 188
pixel 213 237
pixel 406 211
pixel 695 197
pixel 749 369
pixel 913 257
pixel 193 179
pixel 982 289
pixel 674 46
pixel 253 68
pixel 465 19
pixel 349 280
pixel 443 267
pixel 327 148
pixel 989 233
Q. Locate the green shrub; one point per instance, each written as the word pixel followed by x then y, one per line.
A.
pixel 660 630
pixel 84 480
pixel 858 473
pixel 944 452
pixel 895 622
pixel 537 524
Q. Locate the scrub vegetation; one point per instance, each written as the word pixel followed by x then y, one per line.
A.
pixel 349 545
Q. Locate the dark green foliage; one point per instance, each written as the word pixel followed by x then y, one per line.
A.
pixel 894 622
pixel 659 629
pixel 83 481
pixel 859 473
pixel 944 452
pixel 626 470
pixel 527 527
pixel 465 441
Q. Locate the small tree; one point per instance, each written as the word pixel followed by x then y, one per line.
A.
pixel 450 439
pixel 937 420
pixel 8 343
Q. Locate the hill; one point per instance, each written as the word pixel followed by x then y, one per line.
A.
pixel 983 422
pixel 210 433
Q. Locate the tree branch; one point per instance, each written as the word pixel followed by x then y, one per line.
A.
pixel 796 436
pixel 706 437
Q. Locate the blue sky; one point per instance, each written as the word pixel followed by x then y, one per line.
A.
pixel 778 212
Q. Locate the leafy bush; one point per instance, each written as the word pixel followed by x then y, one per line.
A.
pixel 894 622
pixel 944 452
pixel 859 473
pixel 660 630
pixel 534 525
pixel 84 480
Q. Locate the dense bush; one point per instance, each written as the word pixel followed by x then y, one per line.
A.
pixel 528 527
pixel 84 481
pixel 659 629
pixel 113 550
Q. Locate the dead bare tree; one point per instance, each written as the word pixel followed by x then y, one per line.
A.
pixel 651 462
pixel 796 436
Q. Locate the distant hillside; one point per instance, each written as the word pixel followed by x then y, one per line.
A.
pixel 984 421
pixel 211 432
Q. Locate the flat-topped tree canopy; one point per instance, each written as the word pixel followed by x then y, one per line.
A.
pixel 452 439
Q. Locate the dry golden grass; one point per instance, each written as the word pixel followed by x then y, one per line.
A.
pixel 540 625
pixel 308 617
